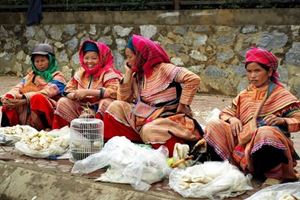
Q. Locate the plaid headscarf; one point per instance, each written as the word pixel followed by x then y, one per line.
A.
pixel 148 54
pixel 268 59
pixel 106 60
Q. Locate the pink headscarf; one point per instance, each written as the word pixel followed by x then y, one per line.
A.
pixel 149 54
pixel 262 56
pixel 106 60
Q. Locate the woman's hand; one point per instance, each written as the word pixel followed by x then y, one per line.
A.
pixel 4 100
pixel 273 120
pixel 128 68
pixel 128 72
pixel 81 94
pixel 235 125
pixel 13 103
pixel 71 96
pixel 185 109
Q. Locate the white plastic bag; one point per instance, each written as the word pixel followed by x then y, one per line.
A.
pixel 209 180
pixel 286 191
pixel 129 163
pixel 58 145
pixel 213 115
pixel 15 133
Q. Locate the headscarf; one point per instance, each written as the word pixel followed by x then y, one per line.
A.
pixel 130 45
pixel 266 58
pixel 106 60
pixel 46 74
pixel 89 46
pixel 148 54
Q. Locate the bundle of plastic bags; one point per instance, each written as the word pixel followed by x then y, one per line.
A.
pixel 128 163
pixel 210 180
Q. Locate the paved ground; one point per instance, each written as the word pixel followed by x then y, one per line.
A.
pixel 201 106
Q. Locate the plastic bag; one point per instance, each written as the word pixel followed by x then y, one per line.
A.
pixel 129 163
pixel 286 191
pixel 58 146
pixel 212 115
pixel 15 133
pixel 209 180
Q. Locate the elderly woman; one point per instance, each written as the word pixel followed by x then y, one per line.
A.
pixel 94 85
pixel 154 99
pixel 33 100
pixel 254 132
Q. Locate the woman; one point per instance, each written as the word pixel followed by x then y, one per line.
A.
pixel 93 87
pixel 254 133
pixel 33 101
pixel 154 99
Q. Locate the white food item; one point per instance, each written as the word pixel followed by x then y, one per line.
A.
pixel 14 130
pixel 97 144
pixel 202 179
pixel 184 185
pixel 40 141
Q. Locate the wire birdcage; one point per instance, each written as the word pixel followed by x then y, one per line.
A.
pixel 86 137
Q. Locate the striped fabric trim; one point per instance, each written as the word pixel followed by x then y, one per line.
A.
pixel 293 124
pixel 83 81
pixel 164 96
pixel 109 75
pixel 124 91
pixel 190 83
pixel 249 100
pixel 162 76
pixel 268 142
pixel 217 149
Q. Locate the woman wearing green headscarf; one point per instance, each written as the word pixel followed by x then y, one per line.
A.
pixel 33 100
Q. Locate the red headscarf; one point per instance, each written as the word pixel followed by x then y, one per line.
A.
pixel 106 60
pixel 148 54
pixel 262 56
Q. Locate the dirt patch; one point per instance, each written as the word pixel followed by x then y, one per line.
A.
pixel 7 82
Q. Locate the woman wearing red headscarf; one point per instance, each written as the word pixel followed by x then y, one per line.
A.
pixel 254 132
pixel 154 99
pixel 94 85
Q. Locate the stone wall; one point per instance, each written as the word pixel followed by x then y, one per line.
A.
pixel 211 43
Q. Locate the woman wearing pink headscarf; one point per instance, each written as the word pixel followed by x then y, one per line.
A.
pixel 254 132
pixel 94 85
pixel 154 99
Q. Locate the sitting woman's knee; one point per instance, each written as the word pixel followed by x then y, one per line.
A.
pixel 63 101
pixel 37 98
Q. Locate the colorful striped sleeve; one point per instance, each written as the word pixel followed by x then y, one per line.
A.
pixel 190 83
pixel 293 121
pixel 111 88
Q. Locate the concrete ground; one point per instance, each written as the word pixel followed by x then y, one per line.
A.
pixel 25 178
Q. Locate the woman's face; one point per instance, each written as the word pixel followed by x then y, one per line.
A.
pixel 91 58
pixel 257 75
pixel 41 62
pixel 130 58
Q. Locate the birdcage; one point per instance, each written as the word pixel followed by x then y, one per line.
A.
pixel 86 137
